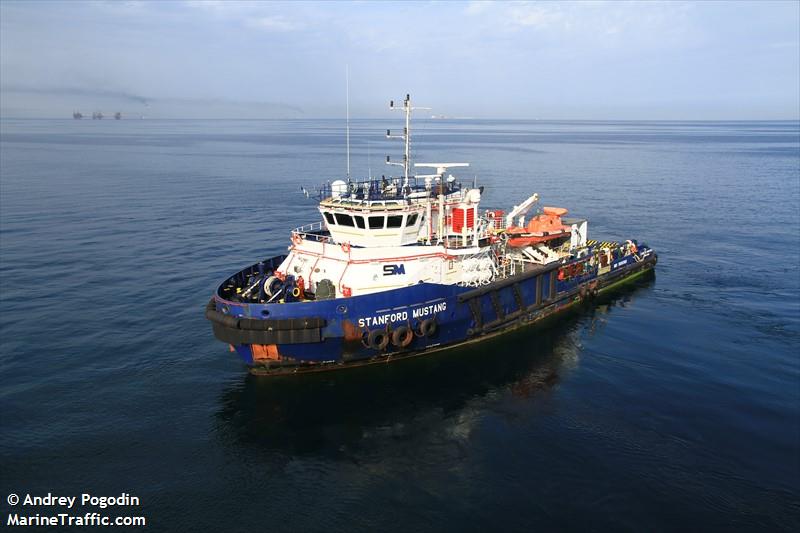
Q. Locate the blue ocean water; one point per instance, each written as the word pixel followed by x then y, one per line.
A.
pixel 675 406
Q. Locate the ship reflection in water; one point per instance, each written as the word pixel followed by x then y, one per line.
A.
pixel 365 412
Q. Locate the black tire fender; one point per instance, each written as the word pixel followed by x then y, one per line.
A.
pixel 378 339
pixel 428 327
pixel 402 336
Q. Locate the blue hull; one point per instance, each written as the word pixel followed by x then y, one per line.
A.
pixel 335 333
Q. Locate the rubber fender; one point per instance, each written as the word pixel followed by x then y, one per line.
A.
pixel 428 327
pixel 215 316
pixel 402 336
pixel 256 324
pixel 378 339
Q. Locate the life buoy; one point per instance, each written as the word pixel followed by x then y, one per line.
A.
pixel 346 247
pixel 633 248
pixel 296 239
pixel 402 336
pixel 296 292
pixel 378 339
pixel 428 327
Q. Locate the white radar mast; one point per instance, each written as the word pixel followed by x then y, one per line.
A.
pixel 406 136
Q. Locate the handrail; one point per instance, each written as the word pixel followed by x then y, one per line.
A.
pixel 307 228
pixel 310 232
pixel 381 189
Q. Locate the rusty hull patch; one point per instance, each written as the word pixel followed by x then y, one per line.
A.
pixel 352 338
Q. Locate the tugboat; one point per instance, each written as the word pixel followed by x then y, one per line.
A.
pixel 409 265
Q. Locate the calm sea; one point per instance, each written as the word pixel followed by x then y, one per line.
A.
pixel 673 407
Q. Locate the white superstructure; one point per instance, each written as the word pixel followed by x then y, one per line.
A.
pixel 388 233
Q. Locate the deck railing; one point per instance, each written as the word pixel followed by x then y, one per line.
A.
pixel 316 231
pixel 385 189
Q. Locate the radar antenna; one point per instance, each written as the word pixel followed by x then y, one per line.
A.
pixel 441 168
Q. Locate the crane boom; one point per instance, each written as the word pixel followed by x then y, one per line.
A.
pixel 521 209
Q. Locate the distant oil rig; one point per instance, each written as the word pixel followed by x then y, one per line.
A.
pixel 96 115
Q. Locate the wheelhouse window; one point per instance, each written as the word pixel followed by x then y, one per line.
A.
pixel 394 221
pixel 344 220
pixel 359 222
pixel 412 219
pixel 329 218
pixel 376 222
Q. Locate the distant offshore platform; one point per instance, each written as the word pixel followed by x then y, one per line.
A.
pixel 96 115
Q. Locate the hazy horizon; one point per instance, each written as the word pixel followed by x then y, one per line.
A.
pixel 382 120
pixel 483 60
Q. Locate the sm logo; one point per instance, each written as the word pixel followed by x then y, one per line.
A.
pixel 393 270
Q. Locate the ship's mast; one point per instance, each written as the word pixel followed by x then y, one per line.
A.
pixel 347 90
pixel 406 136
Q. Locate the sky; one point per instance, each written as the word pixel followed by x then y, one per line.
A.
pixel 528 60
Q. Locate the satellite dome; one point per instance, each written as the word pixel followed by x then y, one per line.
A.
pixel 338 188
